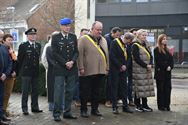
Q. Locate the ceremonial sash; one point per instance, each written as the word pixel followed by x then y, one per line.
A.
pixel 122 47
pixel 143 49
pixel 98 48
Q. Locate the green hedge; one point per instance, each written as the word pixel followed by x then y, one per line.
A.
pixel 41 83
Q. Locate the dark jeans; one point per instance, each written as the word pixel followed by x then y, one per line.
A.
pixel 1 98
pixel 163 93
pixel 66 85
pixel 28 81
pixel 119 87
pixel 76 96
pixel 89 90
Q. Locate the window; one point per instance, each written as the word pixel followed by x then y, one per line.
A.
pixel 174 43
pixel 155 0
pixel 185 50
pixel 125 1
pixel 88 9
pixel 139 1
pixel 113 1
pixel 101 1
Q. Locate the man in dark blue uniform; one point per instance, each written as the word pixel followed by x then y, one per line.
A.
pixel 65 52
pixel 5 69
pixel 28 63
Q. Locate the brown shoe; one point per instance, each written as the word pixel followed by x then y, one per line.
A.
pixel 8 114
pixel 131 103
pixel 108 104
pixel 77 104
pixel 88 103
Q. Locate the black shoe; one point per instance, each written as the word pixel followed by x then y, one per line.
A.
pixel 4 118
pixel 147 109
pixel 115 111
pixel 3 122
pixel 69 117
pixel 161 109
pixel 96 113
pixel 168 109
pixel 25 112
pixel 139 109
pixel 37 110
pixel 57 118
pixel 84 114
pixel 127 109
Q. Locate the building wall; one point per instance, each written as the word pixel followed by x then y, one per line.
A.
pixel 46 18
pixel 82 19
pixel 143 8
pixel 162 16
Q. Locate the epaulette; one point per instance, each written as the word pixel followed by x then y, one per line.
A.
pixel 23 43
pixel 55 32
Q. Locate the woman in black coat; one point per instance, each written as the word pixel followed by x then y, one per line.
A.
pixel 163 66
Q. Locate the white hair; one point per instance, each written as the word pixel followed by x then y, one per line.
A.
pixel 140 31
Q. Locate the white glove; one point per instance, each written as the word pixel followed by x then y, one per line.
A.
pixel 3 77
pixel 168 68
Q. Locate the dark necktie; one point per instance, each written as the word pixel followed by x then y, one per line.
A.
pixel 66 37
pixel 33 45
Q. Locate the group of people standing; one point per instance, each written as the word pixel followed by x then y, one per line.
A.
pixel 122 62
pixel 26 64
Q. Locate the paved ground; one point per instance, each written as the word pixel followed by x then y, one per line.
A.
pixel 178 115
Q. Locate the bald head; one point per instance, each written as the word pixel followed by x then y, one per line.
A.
pixel 96 29
pixel 1 36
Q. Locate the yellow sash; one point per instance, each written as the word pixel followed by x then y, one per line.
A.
pixel 143 49
pixel 121 46
pixel 98 48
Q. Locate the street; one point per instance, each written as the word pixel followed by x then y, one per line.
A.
pixel 178 115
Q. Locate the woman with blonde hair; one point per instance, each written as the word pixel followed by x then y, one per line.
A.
pixel 142 74
pixel 163 66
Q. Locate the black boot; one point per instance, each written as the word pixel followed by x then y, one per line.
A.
pixel 96 113
pixel 127 109
pixel 84 114
pixel 115 111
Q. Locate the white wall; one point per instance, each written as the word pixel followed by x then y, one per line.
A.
pixel 81 20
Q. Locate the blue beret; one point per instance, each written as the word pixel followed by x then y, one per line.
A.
pixel 65 21
pixel 31 31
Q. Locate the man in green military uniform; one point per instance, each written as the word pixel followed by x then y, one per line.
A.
pixel 28 64
pixel 65 52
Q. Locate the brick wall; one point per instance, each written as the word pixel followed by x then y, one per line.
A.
pixel 46 18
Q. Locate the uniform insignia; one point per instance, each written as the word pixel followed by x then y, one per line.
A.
pixel 61 43
pixel 28 51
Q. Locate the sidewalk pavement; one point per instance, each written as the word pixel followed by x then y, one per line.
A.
pixel 178 115
pixel 180 75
